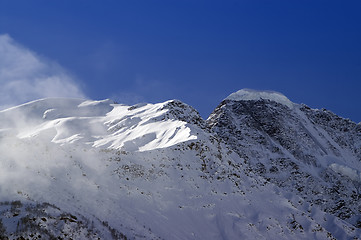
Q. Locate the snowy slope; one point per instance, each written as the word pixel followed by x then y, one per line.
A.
pixel 97 123
pixel 149 171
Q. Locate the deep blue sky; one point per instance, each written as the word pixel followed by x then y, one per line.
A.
pixel 199 51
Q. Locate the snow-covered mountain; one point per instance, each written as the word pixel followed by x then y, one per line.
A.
pixel 311 152
pixel 260 167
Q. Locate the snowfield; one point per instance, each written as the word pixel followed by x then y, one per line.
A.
pixel 97 123
pixel 82 169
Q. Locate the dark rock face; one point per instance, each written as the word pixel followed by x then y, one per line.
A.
pixel 306 151
pixel 344 132
pixel 183 112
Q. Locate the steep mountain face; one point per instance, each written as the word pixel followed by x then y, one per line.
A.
pixel 71 168
pixel 313 153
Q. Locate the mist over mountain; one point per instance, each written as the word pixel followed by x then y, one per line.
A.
pixel 260 167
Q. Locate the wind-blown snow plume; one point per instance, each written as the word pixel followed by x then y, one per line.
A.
pixel 25 76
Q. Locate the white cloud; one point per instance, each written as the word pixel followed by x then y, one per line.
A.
pixel 25 76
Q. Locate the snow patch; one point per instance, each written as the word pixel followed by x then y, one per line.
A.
pixel 346 171
pixel 249 94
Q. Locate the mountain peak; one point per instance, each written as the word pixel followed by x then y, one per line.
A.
pixel 250 94
pixel 254 169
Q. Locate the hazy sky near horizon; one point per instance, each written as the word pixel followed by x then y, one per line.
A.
pixel 198 51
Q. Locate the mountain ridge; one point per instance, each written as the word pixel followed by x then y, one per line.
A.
pixel 160 171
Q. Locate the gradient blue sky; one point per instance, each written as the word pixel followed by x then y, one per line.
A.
pixel 198 51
